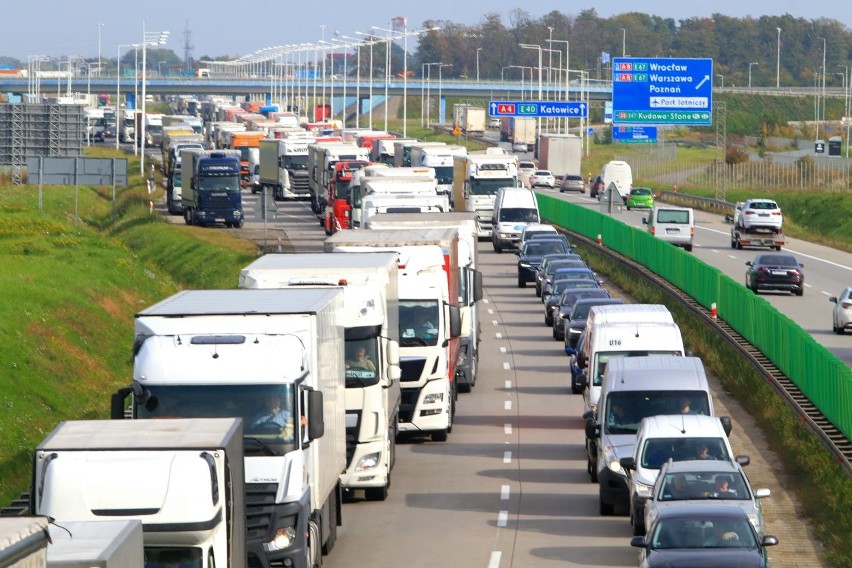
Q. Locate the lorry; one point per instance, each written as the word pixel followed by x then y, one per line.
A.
pixel 470 119
pixel 248 145
pixel 429 320
pixel 96 544
pixel 127 125
pixel 382 151
pixel 470 280
pixel 172 170
pixel 402 151
pixel 214 187
pixel 560 153
pixel 378 189
pixel 284 167
pixel 338 210
pixel 476 179
pixel 321 160
pixel 183 479
pixel 370 318
pixel 519 129
pixel 219 353
pixel 24 541
pixel 151 129
pixel 440 158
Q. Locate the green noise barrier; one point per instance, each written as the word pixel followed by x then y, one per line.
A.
pixel 821 376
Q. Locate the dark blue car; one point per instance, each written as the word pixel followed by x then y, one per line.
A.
pixel 531 254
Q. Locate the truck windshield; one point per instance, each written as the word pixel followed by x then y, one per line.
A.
pixel 220 183
pixel 601 359
pixel 444 174
pixel 267 410
pixel 154 128
pixel 245 153
pixel 418 323
pixel 489 186
pixel 361 362
pixel 168 557
pixel 625 410
pixel 342 189
pixel 296 162
pixel 176 179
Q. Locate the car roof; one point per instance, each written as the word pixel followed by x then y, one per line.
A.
pixel 540 227
pixel 543 172
pixel 680 425
pixel 702 511
pixel 709 466
pixel 597 301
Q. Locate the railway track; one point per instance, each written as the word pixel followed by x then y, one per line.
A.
pixel 835 441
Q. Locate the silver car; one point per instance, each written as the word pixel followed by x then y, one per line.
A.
pixel 703 482
pixel 841 316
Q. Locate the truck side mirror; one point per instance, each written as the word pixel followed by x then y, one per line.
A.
pixel 455 322
pixel 627 463
pixel 593 430
pixel 644 220
pixel 477 285
pixel 316 425
pixel 726 424
pixel 393 352
pixel 118 403
pixel 581 360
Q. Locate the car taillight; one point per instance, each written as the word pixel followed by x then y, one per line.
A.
pixel 776 212
pixel 692 232
pixel 749 212
pixel 793 272
pixel 762 270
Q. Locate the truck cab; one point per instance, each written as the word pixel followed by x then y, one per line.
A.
pixel 338 209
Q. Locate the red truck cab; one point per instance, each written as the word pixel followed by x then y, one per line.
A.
pixel 337 212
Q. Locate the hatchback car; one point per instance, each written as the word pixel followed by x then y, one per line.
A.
pixel 530 255
pixel 520 147
pixel 572 182
pixel 542 178
pixel 841 316
pixel 775 271
pixel 703 482
pixel 702 536
pixel 551 306
pixel 758 213
pixel 543 270
pixel 639 198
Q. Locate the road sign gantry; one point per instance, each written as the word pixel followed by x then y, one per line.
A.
pixel 543 109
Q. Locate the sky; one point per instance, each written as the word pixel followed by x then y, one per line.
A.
pixel 238 27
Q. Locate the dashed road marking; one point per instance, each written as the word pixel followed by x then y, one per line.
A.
pixel 502 350
pixel 502 518
pixel 506 366
pixel 498 335
pixel 494 561
pixel 507 405
pixel 507 429
pixel 508 385
pixel 507 457
pixel 494 322
pixel 504 492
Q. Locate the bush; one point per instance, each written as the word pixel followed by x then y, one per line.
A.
pixel 736 155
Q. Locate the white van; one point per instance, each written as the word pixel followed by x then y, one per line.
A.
pixel 617 173
pixel 677 437
pixel 675 225
pixel 634 388
pixel 627 330
pixel 514 209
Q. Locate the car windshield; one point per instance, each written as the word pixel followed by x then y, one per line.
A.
pixel 541 173
pixel 694 485
pixel 658 451
pixel 560 286
pixel 518 215
pixel 570 297
pixel 697 532
pixel 640 191
pixel 573 274
pixel 541 249
pixel 625 410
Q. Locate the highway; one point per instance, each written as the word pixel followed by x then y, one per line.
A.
pixel 510 488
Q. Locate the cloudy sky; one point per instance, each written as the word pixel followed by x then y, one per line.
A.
pixel 238 27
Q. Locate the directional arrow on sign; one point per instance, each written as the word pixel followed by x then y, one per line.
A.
pixel 704 80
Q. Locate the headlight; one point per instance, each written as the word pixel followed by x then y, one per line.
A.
pixel 611 460
pixel 525 264
pixel 433 398
pixel 643 490
pixel 575 331
pixel 369 461
pixel 755 522
pixel 283 539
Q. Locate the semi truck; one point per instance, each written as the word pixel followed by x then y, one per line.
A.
pixel 284 167
pixel 470 280
pixel 127 125
pixel 173 170
pixel 476 179
pixel 429 320
pixel 214 187
pixel 369 282
pixel 560 153
pixel 338 211
pixel 247 143
pixel 152 126
pixel 275 359
pixel 383 149
pixel 470 119
pixel 379 189
pixel 183 479
pixel 518 129
pixel 440 158
pixel 321 160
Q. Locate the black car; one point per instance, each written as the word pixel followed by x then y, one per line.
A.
pixel 568 289
pixel 551 236
pixel 775 271
pixel 702 535
pixel 570 327
pixel 576 371
pixel 574 270
pixel 529 257
pixel 542 267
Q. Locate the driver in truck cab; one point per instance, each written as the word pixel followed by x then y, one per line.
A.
pixel 272 412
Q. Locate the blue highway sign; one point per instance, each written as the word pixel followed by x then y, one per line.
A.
pixel 662 91
pixel 634 134
pixel 544 109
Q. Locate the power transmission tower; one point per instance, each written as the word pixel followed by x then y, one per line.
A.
pixel 187 48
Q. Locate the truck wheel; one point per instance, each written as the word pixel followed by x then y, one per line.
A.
pixel 327 224
pixel 186 216
pixel 777 247
pixel 237 225
pixel 603 508
pixel 376 493
pixel 733 243
pixel 522 283
pixel 739 245
pixel 440 435
pixel 688 248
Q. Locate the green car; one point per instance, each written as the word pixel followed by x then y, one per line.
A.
pixel 640 197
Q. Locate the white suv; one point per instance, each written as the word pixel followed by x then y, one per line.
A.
pixel 758 213
pixel 543 178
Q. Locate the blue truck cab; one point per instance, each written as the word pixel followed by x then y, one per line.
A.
pixel 214 195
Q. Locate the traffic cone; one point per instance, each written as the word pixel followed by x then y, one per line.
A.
pixel 713 310
pixel 600 240
pixel 150 207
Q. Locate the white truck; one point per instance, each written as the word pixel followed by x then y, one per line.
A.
pixel 518 129
pixel 127 125
pixel 429 320
pixel 321 161
pixel 560 153
pixel 382 151
pixel 182 478
pixel 284 167
pixel 23 541
pixel 221 353
pixel 470 280
pixel 397 195
pixel 371 320
pixel 440 158
pixel 153 129
pixel 97 544
pixel 476 179
pixel 470 119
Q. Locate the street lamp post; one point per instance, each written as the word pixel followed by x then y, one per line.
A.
pixel 118 82
pixel 722 77
pixel 478 49
pixel 749 72
pixel 822 93
pixel 370 96
pixel 567 69
pixel 623 42
pixel 538 47
pixel 778 61
pixel 440 86
pixel 99 48
pixel 153 38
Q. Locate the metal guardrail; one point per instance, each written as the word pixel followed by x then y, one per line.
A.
pixel 703 203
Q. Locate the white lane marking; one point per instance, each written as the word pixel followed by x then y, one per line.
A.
pixel 714 230
pixel 507 405
pixel 502 518
pixel 732 256
pixel 808 285
pixel 490 311
pixel 494 322
pixel 494 561
pixel 504 492
pixel 823 292
pixel 502 350
pixel 508 385
pixel 498 335
pixel 506 366
pixel 507 457
pixel 485 300
pixel 507 429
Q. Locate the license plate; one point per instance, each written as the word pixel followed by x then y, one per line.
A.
pixel 672 231
pixel 779 273
pixel 763 214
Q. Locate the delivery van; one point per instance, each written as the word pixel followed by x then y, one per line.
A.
pixel 617 173
pixel 675 225
pixel 514 209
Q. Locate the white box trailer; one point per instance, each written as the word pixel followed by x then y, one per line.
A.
pixel 23 542
pixel 183 478
pixel 96 544
pixel 233 353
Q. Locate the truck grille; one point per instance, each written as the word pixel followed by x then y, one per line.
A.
pixel 219 203
pixel 299 184
pixel 260 507
pixel 411 368
pixel 407 404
